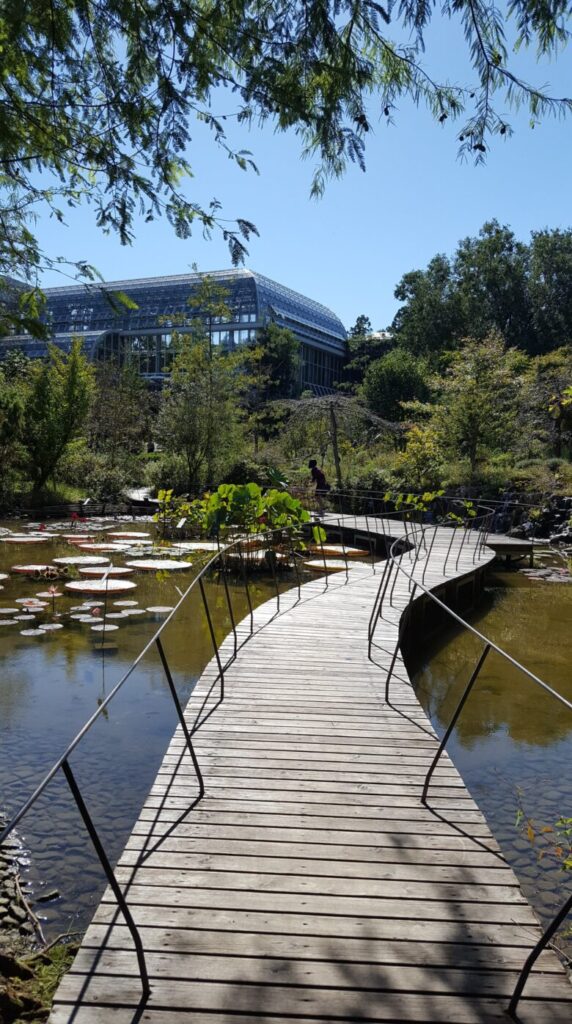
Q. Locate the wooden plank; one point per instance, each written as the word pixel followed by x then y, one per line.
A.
pixel 275 999
pixel 365 949
pixel 335 974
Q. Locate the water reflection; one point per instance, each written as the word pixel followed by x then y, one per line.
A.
pixel 513 742
pixel 50 685
pixel 531 621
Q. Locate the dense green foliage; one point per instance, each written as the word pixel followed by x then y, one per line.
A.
pixel 473 412
pixel 397 378
pixel 243 508
pixel 492 283
pixel 100 99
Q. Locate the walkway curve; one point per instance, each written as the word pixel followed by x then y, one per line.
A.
pixel 310 884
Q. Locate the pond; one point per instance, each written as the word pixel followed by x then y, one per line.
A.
pixel 513 742
pixel 50 684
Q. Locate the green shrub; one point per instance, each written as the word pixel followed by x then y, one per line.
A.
pixel 167 471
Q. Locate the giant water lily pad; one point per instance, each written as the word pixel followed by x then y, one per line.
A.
pixel 158 565
pixel 23 538
pixel 337 551
pixel 103 547
pixel 129 535
pixel 97 571
pixel 34 569
pixel 196 545
pixel 325 565
pixel 103 587
pixel 82 560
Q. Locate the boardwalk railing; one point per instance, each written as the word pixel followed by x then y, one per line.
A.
pixel 407 564
pixel 508 512
pixel 232 559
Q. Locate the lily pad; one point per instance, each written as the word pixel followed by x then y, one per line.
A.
pixel 159 565
pixel 103 587
pixel 82 560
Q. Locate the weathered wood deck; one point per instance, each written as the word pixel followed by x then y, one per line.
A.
pixel 310 884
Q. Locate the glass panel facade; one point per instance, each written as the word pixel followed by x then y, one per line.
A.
pixel 143 336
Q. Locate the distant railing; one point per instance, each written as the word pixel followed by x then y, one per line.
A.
pixel 77 511
pixel 407 562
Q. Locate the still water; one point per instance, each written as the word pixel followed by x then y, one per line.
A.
pixel 51 684
pixel 513 742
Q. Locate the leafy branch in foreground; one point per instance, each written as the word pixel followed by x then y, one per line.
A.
pixel 100 99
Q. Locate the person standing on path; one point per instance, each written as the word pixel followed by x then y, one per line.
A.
pixel 322 485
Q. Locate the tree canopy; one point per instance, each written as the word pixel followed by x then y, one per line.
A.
pixel 99 98
pixel 493 282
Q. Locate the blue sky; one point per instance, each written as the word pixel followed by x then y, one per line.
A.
pixel 350 248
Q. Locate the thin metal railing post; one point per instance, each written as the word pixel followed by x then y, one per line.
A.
pixel 272 561
pixel 397 571
pixel 397 646
pixel 295 564
pixel 378 603
pixel 212 635
pixel 344 552
pixel 229 602
pixel 462 544
pixel 375 608
pixel 427 560
pixel 417 547
pixel 246 588
pixel 321 543
pixel 181 716
pixel 535 953
pixel 452 723
pixel 103 859
pixel 453 532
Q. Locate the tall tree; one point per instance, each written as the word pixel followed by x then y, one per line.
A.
pixel 364 346
pixel 493 282
pixel 99 97
pixel 429 319
pixel 56 409
pixel 550 288
pixel 361 328
pixel 119 419
pixel 271 371
pixel 198 415
pixel 477 404
pixel 491 274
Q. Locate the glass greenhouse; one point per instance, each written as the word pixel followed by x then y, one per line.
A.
pixel 143 335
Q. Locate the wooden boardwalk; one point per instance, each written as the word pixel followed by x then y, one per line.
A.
pixel 310 884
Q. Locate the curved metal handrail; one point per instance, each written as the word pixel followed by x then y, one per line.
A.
pixel 395 559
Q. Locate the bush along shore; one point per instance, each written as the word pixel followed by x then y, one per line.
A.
pixel 30 968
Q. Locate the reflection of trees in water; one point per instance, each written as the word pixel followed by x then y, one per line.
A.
pixel 532 623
